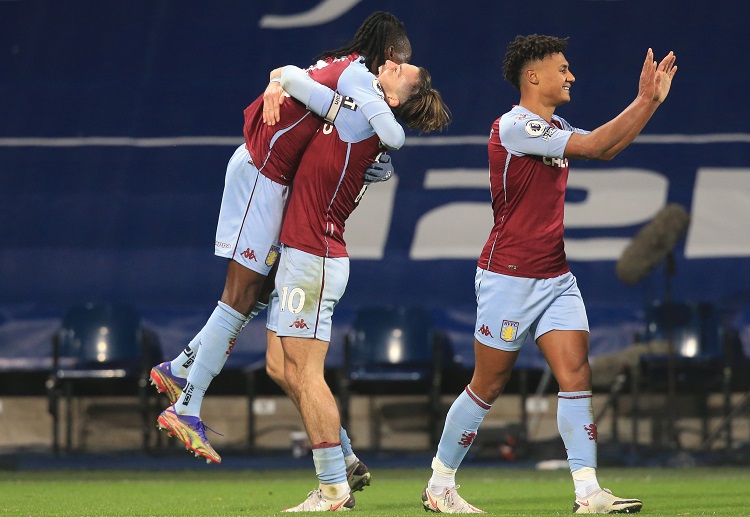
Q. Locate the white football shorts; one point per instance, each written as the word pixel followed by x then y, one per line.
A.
pixel 510 307
pixel 252 210
pixel 308 288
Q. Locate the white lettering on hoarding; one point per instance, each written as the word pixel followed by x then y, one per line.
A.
pixel 615 198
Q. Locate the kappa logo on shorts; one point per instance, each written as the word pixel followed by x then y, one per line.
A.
pixel 509 330
pixel 299 323
pixel 249 254
pixel 485 331
pixel 273 253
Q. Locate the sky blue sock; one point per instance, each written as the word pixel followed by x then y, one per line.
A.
pixel 346 443
pixel 181 364
pixel 329 463
pixel 217 341
pixel 575 421
pixel 461 425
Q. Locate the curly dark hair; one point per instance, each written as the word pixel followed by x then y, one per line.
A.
pixel 381 36
pixel 525 49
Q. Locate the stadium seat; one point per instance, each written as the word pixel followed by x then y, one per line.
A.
pixel 695 328
pixel 101 349
pixel 697 367
pixel 394 350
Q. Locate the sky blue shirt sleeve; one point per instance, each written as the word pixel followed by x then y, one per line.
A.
pixel 357 83
pixel 315 96
pixel 389 130
pixel 357 109
pixel 535 136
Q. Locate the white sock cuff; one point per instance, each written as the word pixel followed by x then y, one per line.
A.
pixel 334 492
pixel 584 474
pixel 440 468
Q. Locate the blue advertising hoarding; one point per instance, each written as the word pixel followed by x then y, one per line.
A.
pixel 119 118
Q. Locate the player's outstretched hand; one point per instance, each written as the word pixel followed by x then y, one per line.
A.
pixel 273 98
pixel 647 82
pixel 381 170
pixel 664 74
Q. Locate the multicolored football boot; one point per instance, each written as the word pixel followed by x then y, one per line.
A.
pixel 190 430
pixel 166 382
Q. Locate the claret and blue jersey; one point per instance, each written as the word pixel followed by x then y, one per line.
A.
pixel 527 170
pixel 330 178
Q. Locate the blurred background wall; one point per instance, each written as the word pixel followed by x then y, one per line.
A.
pixel 117 120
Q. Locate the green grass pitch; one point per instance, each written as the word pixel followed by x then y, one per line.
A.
pixel 499 491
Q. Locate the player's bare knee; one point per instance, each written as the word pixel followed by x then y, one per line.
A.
pixel 276 373
pixel 575 379
pixel 488 391
pixel 489 387
pixel 242 288
pixel 242 301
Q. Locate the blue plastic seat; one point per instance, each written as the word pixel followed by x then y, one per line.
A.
pixel 695 328
pixel 99 340
pixel 697 336
pixel 697 368
pixel 101 349
pixel 393 350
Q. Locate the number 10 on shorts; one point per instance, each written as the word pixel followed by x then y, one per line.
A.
pixel 293 299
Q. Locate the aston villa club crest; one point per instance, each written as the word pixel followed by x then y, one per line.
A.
pixel 272 254
pixel 509 331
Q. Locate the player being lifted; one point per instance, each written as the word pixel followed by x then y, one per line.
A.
pixel 257 185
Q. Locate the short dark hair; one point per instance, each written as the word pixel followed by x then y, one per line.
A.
pixel 525 49
pixel 380 31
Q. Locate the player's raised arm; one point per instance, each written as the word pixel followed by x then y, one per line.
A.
pixel 606 141
pixel 326 103
pixel 367 92
pixel 665 73
pixel 295 82
pixel 317 97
